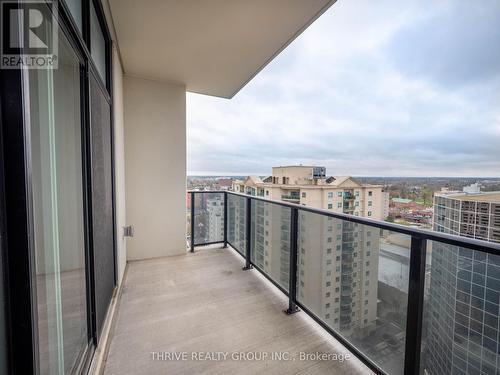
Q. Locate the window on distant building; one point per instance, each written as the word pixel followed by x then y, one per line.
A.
pixel 370 193
pixel 330 206
pixel 339 205
pixel 369 203
pixel 267 192
pixel 303 194
pixel 356 193
pixel 369 213
pixel 330 195
pixel 339 194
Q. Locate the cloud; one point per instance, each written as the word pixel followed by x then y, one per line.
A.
pixel 362 93
pixel 456 46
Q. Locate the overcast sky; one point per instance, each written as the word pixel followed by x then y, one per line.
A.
pixel 372 88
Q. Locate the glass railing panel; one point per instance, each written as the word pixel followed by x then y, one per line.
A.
pixel 461 311
pixel 354 278
pixel 236 222
pixel 270 241
pixel 208 218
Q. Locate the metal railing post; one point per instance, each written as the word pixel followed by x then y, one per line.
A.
pixel 225 219
pixel 292 289
pixel 192 222
pixel 248 223
pixel 415 308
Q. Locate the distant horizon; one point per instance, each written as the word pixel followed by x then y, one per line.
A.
pixel 195 174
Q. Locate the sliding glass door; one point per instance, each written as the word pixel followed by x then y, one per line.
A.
pixel 58 211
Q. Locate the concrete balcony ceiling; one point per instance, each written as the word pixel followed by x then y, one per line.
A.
pixel 212 47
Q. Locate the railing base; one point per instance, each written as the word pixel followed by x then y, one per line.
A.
pixel 291 311
pixel 246 268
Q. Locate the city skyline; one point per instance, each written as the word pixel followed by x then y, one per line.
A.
pixel 360 88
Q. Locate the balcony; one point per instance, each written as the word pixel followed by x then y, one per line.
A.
pixel 291 197
pixel 386 324
pixel 205 301
pixel 348 196
pixel 93 165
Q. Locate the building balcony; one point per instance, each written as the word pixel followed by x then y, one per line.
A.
pixel 345 301
pixel 347 269
pixel 291 198
pixel 398 306
pixel 346 292
pixel 204 301
pixel 346 281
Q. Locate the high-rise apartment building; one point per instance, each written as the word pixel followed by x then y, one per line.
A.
pixel 463 326
pixel 215 212
pixel 338 260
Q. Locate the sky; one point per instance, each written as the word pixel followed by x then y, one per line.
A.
pixel 371 88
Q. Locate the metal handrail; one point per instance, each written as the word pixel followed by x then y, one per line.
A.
pixel 449 239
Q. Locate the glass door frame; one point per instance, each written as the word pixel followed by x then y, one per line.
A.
pixel 15 177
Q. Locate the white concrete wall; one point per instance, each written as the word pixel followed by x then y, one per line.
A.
pixel 155 167
pixel 119 150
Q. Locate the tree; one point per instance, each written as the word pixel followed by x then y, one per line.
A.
pixel 427 195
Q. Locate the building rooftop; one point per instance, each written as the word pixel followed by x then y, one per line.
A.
pixel 401 200
pixel 493 196
pixel 296 166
